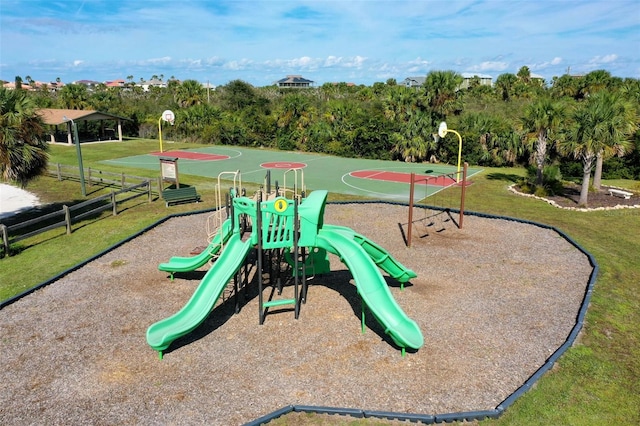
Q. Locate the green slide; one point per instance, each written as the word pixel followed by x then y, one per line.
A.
pixel 188 264
pixel 161 334
pixel 380 256
pixel 372 288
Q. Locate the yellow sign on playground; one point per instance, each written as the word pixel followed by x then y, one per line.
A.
pixel 280 205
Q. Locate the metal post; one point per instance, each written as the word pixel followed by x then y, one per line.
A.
pixel 79 153
pixel 463 192
pixel 410 225
pixel 160 132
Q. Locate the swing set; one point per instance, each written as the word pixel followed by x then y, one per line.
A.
pixel 437 214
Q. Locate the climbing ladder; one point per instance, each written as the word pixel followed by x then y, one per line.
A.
pixel 278 227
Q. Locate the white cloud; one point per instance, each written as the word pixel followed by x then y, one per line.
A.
pixel 303 62
pixel 603 59
pixel 332 61
pixel 547 64
pixel 489 66
pixel 77 62
pixel 238 65
pixel 355 62
pixel 419 62
pixel 159 61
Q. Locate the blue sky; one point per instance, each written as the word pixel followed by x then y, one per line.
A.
pixel 325 41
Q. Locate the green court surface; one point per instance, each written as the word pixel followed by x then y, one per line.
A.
pixel 319 171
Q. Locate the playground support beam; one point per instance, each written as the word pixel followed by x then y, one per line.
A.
pixel 410 225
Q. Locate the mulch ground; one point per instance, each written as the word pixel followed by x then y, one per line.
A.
pixel 570 197
pixel 493 300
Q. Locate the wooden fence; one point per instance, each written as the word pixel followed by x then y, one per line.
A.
pixel 71 214
pixel 100 177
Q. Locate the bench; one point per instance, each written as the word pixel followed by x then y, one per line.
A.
pixel 180 195
pixel 620 193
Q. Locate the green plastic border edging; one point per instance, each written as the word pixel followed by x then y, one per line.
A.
pixel 358 413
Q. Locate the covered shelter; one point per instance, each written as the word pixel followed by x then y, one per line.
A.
pixel 56 117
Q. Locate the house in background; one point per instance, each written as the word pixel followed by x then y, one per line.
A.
pixel 484 80
pixel 89 84
pixel 413 81
pixel 537 78
pixel 152 83
pixel 116 83
pixel 295 81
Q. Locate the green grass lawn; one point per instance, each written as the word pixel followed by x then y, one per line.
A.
pixel 597 381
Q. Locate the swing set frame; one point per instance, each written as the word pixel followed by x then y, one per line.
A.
pixel 463 184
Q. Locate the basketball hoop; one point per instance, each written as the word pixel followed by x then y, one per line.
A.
pixel 169 116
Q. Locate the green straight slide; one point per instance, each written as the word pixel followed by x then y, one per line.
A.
pixel 188 264
pixel 372 287
pixel 161 334
pixel 380 256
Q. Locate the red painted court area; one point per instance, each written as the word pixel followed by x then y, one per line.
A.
pixel 188 155
pixel 404 177
pixel 283 165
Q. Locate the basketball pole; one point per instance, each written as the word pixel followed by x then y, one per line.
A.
pixel 160 132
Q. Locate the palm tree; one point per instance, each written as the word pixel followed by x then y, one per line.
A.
pixel 74 96
pixel 414 140
pixel 565 86
pixel 23 149
pixel 622 127
pixel 602 127
pixel 504 85
pixel 542 118
pixel 441 88
pixel 596 81
pixel 190 93
pixel 295 114
pixel 524 74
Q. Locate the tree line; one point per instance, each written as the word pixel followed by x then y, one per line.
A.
pixel 574 126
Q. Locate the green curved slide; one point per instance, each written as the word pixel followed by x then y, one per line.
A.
pixel 162 333
pixel 372 287
pixel 188 264
pixel 380 256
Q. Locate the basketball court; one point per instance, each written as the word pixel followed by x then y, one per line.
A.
pixel 385 180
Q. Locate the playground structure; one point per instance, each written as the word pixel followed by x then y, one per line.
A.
pixel 284 239
pixel 439 212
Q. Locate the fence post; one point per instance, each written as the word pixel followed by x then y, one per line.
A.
pixel 122 180
pixel 159 187
pixel 90 176
pixel 5 239
pixel 149 190
pixel 59 171
pixel 113 203
pixel 67 218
